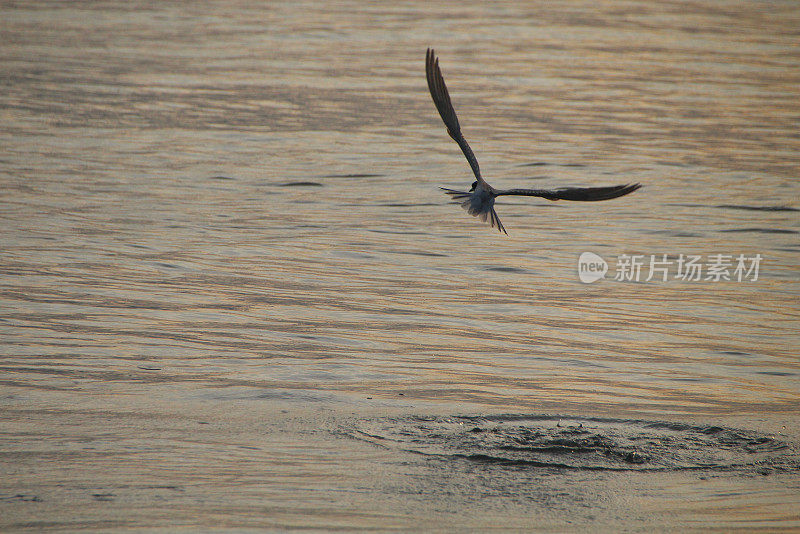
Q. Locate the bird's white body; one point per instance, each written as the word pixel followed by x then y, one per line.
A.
pixel 480 201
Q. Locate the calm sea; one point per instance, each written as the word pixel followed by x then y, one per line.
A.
pixel 233 297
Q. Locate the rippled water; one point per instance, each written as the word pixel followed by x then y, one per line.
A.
pixel 233 295
pixel 583 444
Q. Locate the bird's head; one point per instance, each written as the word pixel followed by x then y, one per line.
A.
pixel 474 185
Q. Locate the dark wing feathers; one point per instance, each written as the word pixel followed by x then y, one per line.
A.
pixel 586 194
pixel 441 98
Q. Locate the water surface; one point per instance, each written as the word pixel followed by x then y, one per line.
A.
pixel 233 296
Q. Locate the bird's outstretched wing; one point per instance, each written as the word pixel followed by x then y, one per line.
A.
pixel 587 194
pixel 442 100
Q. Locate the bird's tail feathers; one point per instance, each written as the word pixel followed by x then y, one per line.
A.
pixel 465 200
pixel 492 217
pixel 496 221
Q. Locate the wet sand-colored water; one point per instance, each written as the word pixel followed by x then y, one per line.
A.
pixel 232 295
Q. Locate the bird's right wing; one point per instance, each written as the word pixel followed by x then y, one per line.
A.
pixel 442 100
pixel 586 194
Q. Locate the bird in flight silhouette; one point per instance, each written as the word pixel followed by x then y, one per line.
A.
pixel 479 200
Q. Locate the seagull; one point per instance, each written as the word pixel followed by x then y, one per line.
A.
pixel 479 201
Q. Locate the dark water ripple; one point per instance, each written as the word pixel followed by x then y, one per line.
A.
pixel 756 208
pixel 761 231
pixel 591 444
pixel 301 184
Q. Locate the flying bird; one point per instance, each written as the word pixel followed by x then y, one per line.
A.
pixel 479 201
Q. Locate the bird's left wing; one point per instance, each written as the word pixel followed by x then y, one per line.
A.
pixel 442 100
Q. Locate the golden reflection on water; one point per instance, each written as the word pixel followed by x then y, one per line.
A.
pixel 217 212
